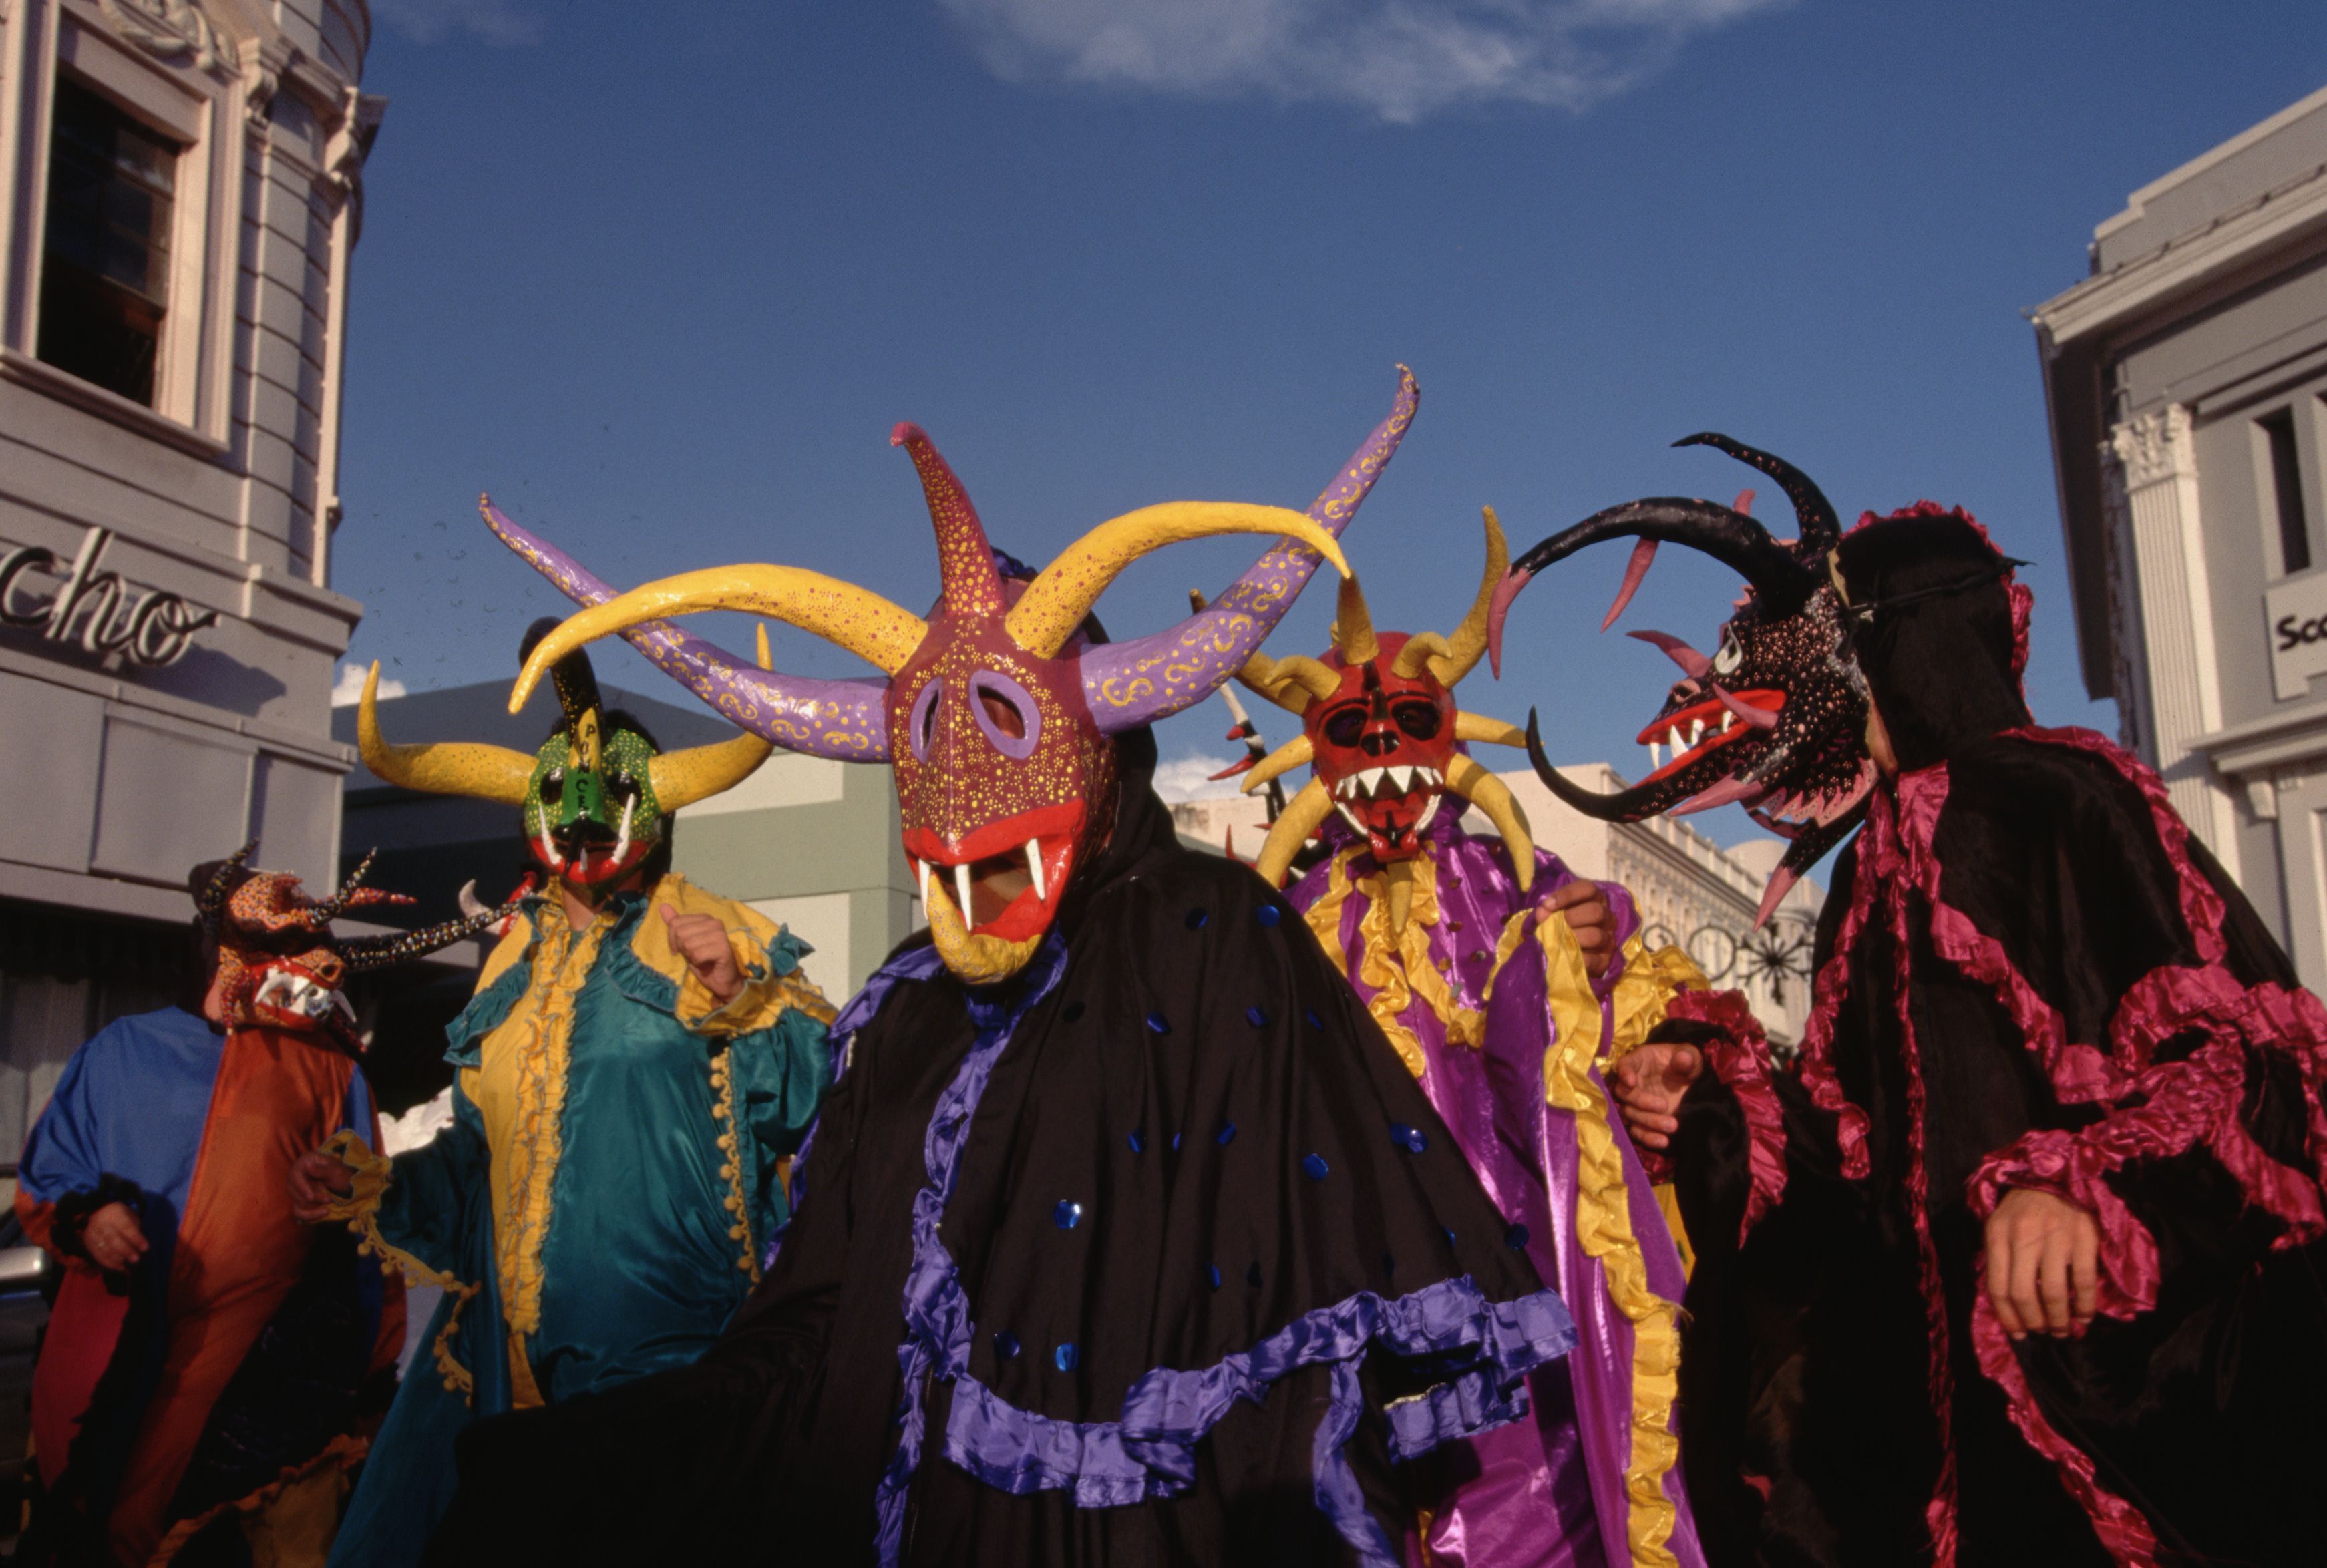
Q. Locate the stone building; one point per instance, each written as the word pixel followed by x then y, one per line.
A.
pixel 180 196
pixel 2186 382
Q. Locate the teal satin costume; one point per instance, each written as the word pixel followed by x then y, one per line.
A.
pixel 611 1176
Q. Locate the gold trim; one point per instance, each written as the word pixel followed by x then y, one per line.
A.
pixel 359 1210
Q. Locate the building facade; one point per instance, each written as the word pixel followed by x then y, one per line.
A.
pixel 180 196
pixel 1690 891
pixel 2186 383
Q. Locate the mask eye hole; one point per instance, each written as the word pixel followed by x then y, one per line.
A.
pixel 1344 725
pixel 1728 656
pixel 1006 712
pixel 1418 719
pixel 921 723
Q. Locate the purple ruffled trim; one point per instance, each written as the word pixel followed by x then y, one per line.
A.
pixel 937 1312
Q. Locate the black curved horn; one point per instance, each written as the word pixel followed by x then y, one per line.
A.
pixel 576 681
pixel 1641 800
pixel 1782 579
pixel 331 909
pixel 1821 528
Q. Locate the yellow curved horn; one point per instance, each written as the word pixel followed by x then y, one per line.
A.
pixel 1493 732
pixel 1353 625
pixel 1292 683
pixel 1488 793
pixel 683 777
pixel 862 622
pixel 1470 639
pixel 1422 650
pixel 483 772
pixel 1302 816
pixel 1056 602
pixel 1295 752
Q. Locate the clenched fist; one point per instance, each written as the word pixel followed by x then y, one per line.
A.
pixel 317 1177
pixel 1586 910
pixel 1648 1085
pixel 702 941
pixel 113 1238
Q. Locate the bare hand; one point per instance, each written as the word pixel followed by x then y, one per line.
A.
pixel 1588 915
pixel 702 941
pixel 2043 1264
pixel 317 1177
pixel 1648 1085
pixel 113 1238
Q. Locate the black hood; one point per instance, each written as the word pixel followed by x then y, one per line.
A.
pixel 1943 667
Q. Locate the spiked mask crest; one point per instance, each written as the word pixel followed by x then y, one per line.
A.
pixel 995 715
pixel 1384 738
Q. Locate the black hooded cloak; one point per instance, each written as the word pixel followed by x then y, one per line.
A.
pixel 1155 1255
pixel 2028 974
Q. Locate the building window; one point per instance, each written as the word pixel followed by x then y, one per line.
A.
pixel 2286 483
pixel 105 266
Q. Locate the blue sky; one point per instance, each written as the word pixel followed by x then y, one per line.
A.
pixel 662 277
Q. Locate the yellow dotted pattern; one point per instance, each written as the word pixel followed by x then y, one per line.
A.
pixel 738 1200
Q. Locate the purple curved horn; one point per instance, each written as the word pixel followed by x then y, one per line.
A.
pixel 1151 677
pixel 842 719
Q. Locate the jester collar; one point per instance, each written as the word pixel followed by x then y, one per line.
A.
pixel 995 717
pixel 1384 740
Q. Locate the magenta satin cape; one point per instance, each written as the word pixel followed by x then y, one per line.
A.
pixel 1550 1492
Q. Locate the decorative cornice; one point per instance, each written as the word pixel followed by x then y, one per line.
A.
pixel 167 30
pixel 2152 448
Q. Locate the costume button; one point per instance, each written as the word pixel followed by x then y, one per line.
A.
pixel 1212 1272
pixel 1227 1134
pixel 1158 1023
pixel 1138 1144
pixel 1068 1214
pixel 1196 918
pixel 1270 914
pixel 1255 1017
pixel 1316 1165
pixel 1065 1357
pixel 1413 1140
pixel 1516 1237
pixel 1005 1344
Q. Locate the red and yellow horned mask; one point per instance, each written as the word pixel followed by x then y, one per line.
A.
pixel 279 966
pixel 996 713
pixel 1384 738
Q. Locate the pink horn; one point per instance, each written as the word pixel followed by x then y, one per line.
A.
pixel 971 585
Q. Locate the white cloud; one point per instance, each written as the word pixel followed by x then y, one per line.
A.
pixel 1401 60
pixel 1189 777
pixel 348 690
pixel 506 23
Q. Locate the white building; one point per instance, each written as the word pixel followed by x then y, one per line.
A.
pixel 180 195
pixel 2186 380
pixel 1690 891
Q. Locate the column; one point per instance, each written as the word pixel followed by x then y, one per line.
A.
pixel 2152 461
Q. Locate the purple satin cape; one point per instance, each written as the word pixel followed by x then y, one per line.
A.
pixel 1550 1492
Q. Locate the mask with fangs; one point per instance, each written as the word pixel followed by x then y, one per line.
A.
pixel 998 720
pixel 1384 738
pixel 1775 719
pixel 279 964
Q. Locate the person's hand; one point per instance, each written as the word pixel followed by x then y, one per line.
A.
pixel 1648 1085
pixel 113 1238
pixel 1585 909
pixel 703 942
pixel 2043 1264
pixel 317 1177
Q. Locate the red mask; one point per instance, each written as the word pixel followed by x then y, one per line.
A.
pixel 1382 746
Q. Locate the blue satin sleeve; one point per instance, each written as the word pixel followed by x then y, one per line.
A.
pixel 781 1073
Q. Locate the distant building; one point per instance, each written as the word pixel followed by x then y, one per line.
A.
pixel 1690 891
pixel 2186 381
pixel 180 196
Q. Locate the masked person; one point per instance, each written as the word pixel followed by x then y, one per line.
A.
pixel 208 1359
pixel 2029 1263
pixel 640 1058
pixel 1105 1250
pixel 1503 979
